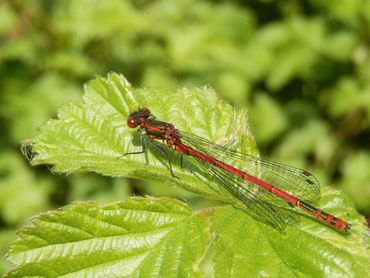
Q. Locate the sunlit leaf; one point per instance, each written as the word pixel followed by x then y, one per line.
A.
pixel 244 249
pixel 137 237
pixel 92 135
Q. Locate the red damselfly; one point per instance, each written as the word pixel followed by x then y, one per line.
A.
pixel 269 189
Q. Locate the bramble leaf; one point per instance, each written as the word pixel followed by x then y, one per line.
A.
pixel 245 248
pixel 92 136
pixel 137 237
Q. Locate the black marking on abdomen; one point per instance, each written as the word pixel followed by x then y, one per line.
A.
pixel 333 221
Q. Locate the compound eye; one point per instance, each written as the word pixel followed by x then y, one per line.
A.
pixel 131 122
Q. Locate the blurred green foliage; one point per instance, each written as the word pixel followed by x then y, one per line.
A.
pixel 302 68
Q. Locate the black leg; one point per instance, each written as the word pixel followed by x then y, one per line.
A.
pixel 164 152
pixel 143 147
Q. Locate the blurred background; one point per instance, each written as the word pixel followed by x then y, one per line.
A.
pixel 301 68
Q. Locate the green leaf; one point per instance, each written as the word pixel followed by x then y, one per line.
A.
pixel 6 236
pixel 246 248
pixel 137 237
pixel 92 135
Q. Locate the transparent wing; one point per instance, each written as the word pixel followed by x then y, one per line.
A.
pixel 295 181
pixel 268 208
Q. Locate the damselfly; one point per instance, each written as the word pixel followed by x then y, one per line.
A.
pixel 269 189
